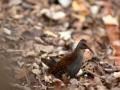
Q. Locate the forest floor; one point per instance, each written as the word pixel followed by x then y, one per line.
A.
pixel 35 29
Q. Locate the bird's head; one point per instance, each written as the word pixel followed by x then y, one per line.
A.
pixel 83 45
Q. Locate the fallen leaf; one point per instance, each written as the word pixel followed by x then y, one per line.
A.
pixel 74 82
pixel 48 78
pixel 23 72
pixel 30 53
pixel 111 28
pixel 7 31
pixel 116 74
pixel 65 35
pixel 31 34
pixel 13 11
pixel 36 71
pixel 97 83
pixel 80 5
pixel 109 20
pixel 14 2
pixel 52 14
pixel 36 65
pixel 50 33
pixel 39 47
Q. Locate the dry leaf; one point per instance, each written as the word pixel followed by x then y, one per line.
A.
pixel 116 74
pixel 36 71
pixel 48 78
pixel 30 53
pixel 111 29
pixel 50 33
pixel 7 31
pixel 52 14
pixel 13 11
pixel 14 2
pixel 74 82
pixel 65 3
pixel 36 65
pixel 43 48
pixel 65 35
pixel 80 5
pixel 39 40
pixel 23 72
pixel 94 9
pixel 97 83
pixel 109 20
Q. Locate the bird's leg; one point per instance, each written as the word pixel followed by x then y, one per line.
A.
pixel 65 79
pixel 57 85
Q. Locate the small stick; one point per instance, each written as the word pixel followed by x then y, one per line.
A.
pixel 93 73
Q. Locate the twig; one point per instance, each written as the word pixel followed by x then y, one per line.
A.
pixel 93 73
pixel 11 50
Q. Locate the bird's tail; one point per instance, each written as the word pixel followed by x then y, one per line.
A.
pixel 49 62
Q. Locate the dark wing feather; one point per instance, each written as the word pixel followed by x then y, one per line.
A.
pixel 48 62
pixel 63 63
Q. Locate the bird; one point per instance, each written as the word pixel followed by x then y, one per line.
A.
pixel 68 66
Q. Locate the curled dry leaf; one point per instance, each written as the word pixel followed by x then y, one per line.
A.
pixel 50 33
pixel 13 38
pixel 31 34
pixel 13 11
pixel 43 48
pixel 39 40
pixel 36 71
pixel 80 5
pixel 7 31
pixel 65 35
pixel 14 2
pixel 65 3
pixel 48 78
pixel 30 53
pixel 97 83
pixel 20 63
pixel 110 20
pixel 74 82
pixel 94 9
pixel 116 74
pixel 36 65
pixel 23 72
pixel 52 14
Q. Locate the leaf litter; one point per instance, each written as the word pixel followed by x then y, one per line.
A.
pixel 34 30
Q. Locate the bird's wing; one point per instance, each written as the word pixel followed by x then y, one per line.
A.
pixel 62 64
pixel 48 62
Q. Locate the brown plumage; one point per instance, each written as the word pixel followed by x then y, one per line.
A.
pixel 63 63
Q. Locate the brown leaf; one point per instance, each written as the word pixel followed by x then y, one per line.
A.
pixel 80 5
pixel 97 82
pixel 31 34
pixel 112 31
pixel 39 47
pixel 23 72
pixel 14 2
pixel 50 33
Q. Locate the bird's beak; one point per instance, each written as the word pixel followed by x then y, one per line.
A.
pixel 89 48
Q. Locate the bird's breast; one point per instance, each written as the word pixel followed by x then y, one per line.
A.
pixel 73 68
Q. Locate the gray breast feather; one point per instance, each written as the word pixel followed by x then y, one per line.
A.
pixel 73 68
